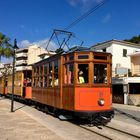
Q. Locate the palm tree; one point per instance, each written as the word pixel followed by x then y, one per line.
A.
pixel 5 46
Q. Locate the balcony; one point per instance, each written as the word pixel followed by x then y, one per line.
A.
pixel 19 62
pixel 21 55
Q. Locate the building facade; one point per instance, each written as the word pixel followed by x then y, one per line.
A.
pixel 119 51
pixel 25 57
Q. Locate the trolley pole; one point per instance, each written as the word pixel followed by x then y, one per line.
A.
pixel 15 47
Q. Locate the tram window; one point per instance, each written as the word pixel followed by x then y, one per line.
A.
pixel 82 73
pixel 56 80
pixel 36 80
pixel 45 81
pixel 65 73
pixel 41 70
pixel 69 74
pixel 100 57
pixel 37 70
pixel 45 69
pixel 83 56
pixel 100 73
pixel 65 58
pixel 71 57
pixel 40 82
pixel 50 74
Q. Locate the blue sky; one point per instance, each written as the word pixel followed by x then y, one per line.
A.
pixel 33 20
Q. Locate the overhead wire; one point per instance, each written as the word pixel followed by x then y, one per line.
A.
pixel 79 19
pixel 86 14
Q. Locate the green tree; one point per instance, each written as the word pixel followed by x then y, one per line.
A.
pixel 5 46
pixel 59 51
pixel 134 39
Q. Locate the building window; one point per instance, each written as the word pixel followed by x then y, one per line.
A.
pixel 104 50
pixel 83 56
pixel 124 53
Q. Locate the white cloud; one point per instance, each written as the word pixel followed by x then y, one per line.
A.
pixel 42 43
pixel 107 18
pixel 84 5
pixel 73 3
pixel 24 43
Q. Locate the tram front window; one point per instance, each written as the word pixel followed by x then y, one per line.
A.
pixel 82 73
pixel 100 74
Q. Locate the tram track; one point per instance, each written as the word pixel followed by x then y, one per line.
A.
pixel 130 134
pixel 110 133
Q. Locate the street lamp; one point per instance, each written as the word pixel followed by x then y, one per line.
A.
pixel 15 47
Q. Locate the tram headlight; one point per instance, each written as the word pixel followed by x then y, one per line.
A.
pixel 101 102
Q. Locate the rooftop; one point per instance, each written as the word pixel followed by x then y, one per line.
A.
pixel 118 42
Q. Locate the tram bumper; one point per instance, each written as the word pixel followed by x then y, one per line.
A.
pixel 103 115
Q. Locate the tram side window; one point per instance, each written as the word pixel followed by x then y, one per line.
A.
pixel 82 73
pixel 69 74
pixel 100 73
pixel 45 69
pixel 41 70
pixel 56 78
pixel 45 75
pixel 40 82
pixel 37 71
pixel 50 74
pixel 35 82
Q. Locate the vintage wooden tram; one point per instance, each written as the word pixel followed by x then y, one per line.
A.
pixel 3 89
pixel 22 84
pixel 77 83
pixel 56 83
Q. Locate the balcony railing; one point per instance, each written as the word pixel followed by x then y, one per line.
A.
pixel 21 55
pixel 21 62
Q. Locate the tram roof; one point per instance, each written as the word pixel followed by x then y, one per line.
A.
pixel 71 50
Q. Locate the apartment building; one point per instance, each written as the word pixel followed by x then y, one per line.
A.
pixel 121 61
pixel 25 57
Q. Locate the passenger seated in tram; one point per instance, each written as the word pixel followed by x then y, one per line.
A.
pixel 25 82
pixel 80 77
pixel 50 78
pixel 56 81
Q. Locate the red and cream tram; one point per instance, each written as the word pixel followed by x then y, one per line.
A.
pixel 77 82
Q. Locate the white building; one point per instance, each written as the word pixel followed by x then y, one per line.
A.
pixel 28 56
pixel 119 51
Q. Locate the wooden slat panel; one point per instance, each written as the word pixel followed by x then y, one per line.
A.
pixel 68 98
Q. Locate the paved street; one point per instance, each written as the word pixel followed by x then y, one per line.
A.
pixel 29 123
pixel 127 113
pixel 19 126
